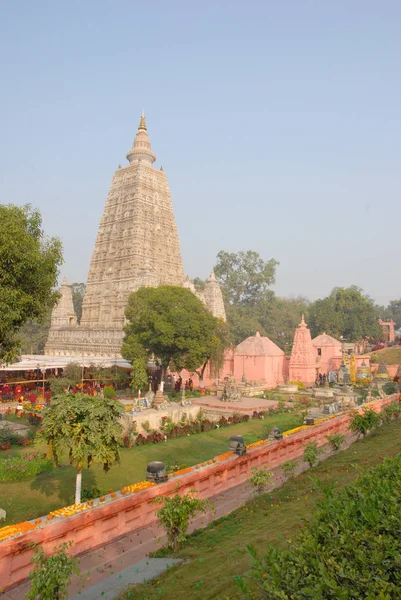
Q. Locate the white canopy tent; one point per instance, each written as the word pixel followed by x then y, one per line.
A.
pixel 30 362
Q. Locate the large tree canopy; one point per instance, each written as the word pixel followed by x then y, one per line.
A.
pixel 347 312
pixel 173 325
pixel 29 267
pixel 245 277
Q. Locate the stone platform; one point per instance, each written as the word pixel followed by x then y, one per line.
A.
pixel 244 405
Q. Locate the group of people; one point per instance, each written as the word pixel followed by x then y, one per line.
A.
pixel 321 379
pixel 188 385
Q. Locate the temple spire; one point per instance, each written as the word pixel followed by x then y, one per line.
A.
pixel 141 149
pixel 142 123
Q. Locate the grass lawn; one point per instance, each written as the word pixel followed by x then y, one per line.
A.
pixel 390 356
pixel 216 555
pixel 35 497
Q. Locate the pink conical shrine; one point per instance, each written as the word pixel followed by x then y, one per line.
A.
pixel 303 360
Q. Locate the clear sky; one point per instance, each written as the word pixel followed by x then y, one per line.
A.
pixel 278 124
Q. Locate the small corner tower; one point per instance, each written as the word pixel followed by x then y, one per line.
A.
pixel 63 314
pixel 214 298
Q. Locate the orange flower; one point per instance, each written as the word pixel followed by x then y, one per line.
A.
pixel 138 487
pixel 183 471
pixel 11 530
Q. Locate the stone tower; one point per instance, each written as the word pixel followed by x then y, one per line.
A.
pixel 137 245
pixel 303 361
pixel 63 314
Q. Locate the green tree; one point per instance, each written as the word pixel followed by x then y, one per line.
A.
pixel 260 479
pixel 173 325
pixel 51 575
pixel 139 375
pixel 245 277
pixel 347 312
pixel 175 514
pixel 78 291
pixel 29 267
pixel 72 374
pixel 86 427
pixel 392 311
pixel 33 335
pixel 311 453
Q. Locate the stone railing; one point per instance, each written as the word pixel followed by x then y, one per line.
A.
pixel 131 509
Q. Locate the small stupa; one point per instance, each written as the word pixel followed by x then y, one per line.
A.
pixel 381 373
pixel 363 375
pixel 343 376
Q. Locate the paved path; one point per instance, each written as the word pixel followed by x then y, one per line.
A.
pixel 138 573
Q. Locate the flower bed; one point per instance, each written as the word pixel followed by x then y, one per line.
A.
pixel 23 466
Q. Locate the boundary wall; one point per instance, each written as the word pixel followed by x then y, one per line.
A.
pixel 128 513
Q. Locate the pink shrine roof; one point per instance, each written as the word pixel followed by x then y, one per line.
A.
pixel 325 340
pixel 257 345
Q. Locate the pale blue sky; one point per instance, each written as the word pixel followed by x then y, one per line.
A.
pixel 277 123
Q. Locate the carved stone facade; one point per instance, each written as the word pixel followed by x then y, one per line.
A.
pixel 137 245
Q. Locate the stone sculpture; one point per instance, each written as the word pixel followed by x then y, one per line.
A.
pixel 231 392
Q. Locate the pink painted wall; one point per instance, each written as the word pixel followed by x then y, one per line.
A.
pixel 98 526
pixel 271 370
pixel 331 356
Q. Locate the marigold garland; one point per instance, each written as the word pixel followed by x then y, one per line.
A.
pixel 68 511
pixel 183 471
pixel 11 530
pixel 137 487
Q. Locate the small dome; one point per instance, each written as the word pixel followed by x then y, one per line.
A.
pixel 325 340
pixel 257 345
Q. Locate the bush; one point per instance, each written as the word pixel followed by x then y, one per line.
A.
pixel 365 422
pixel 390 388
pixel 391 411
pixel 311 453
pixel 91 493
pixel 109 392
pixel 350 549
pixel 260 479
pixel 34 419
pixel 175 513
pixel 51 576
pixel 289 468
pixel 23 466
pixel 336 440
pixel 206 425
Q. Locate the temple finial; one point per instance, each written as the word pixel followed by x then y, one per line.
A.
pixel 142 123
